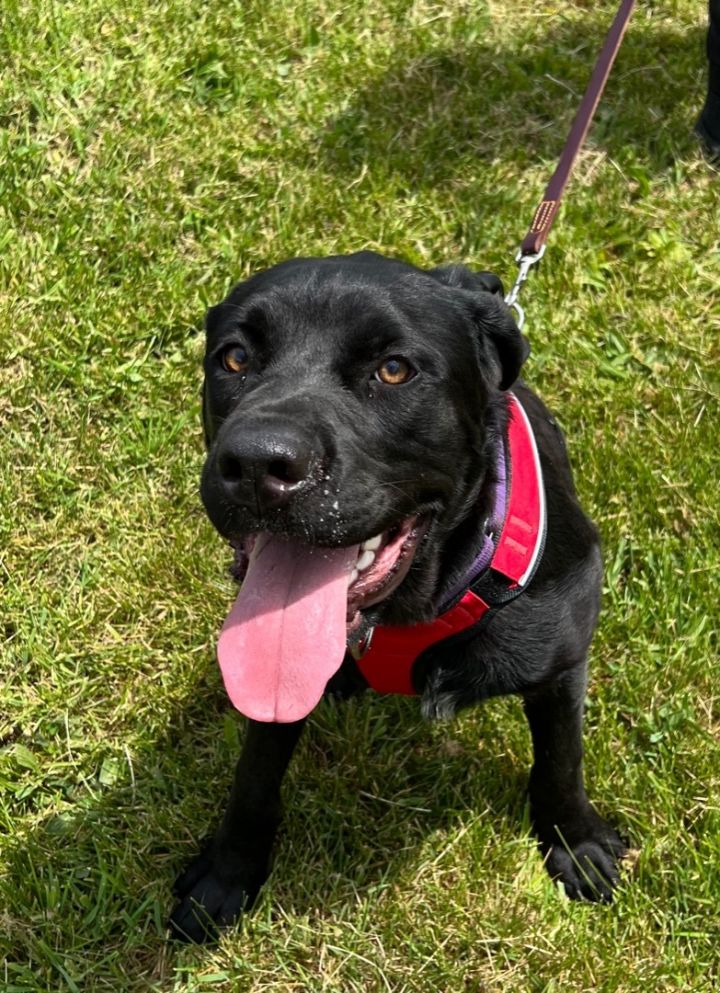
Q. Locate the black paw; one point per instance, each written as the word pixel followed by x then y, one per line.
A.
pixel 213 894
pixel 586 860
pixel 707 127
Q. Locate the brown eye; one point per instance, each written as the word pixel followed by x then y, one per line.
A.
pixel 235 359
pixel 394 371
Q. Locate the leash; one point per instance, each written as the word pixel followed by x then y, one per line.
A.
pixel 532 248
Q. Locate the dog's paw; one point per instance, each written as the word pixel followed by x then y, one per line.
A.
pixel 587 861
pixel 212 895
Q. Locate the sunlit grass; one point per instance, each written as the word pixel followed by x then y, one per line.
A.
pixel 151 155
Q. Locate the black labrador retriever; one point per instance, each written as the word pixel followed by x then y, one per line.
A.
pixel 355 411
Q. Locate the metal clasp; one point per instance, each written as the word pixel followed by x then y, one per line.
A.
pixel 359 648
pixel 525 263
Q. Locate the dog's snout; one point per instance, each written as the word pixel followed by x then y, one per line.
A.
pixel 266 467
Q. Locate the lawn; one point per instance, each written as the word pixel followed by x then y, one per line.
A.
pixel 151 154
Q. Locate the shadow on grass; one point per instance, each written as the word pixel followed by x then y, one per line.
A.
pixel 374 783
pixel 370 783
pixel 426 118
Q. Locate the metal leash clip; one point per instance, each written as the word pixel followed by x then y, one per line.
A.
pixel 525 263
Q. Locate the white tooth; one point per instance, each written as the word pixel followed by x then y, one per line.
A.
pixel 372 544
pixel 365 560
pixel 353 577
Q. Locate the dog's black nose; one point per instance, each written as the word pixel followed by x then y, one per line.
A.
pixel 267 467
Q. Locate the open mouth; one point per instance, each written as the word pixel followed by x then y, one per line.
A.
pixel 382 564
pixel 298 605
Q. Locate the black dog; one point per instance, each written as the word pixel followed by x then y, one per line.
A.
pixel 359 401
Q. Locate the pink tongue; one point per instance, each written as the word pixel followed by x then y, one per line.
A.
pixel 285 634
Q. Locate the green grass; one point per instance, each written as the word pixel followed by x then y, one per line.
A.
pixel 150 155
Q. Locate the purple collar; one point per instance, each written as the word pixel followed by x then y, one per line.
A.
pixel 493 527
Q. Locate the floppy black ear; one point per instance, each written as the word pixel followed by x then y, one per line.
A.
pixel 213 318
pixel 501 341
pixel 206 421
pixel 501 335
pixel 467 279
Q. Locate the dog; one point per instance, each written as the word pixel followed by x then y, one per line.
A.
pixel 357 411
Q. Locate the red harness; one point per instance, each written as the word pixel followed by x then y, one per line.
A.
pixel 391 652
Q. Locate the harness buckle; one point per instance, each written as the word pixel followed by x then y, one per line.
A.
pixel 358 649
pixel 525 262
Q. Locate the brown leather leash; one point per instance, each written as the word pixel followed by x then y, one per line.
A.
pixel 533 245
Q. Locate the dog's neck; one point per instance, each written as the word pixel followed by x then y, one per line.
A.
pixel 485 528
pixel 469 547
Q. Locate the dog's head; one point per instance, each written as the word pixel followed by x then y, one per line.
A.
pixel 348 404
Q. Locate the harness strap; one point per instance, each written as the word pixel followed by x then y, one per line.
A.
pixel 391 651
pixel 520 541
pixel 387 664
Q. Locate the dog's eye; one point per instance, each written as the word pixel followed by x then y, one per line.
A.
pixel 394 371
pixel 235 359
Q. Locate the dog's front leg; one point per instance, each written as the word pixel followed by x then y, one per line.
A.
pixel 582 850
pixel 226 877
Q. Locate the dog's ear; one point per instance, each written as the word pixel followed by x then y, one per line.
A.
pixel 504 338
pixel 466 279
pixel 206 421
pixel 213 317
pixel 501 341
